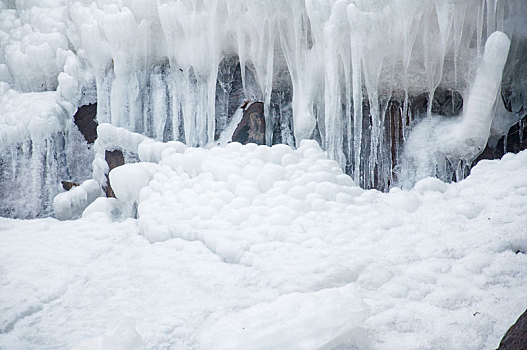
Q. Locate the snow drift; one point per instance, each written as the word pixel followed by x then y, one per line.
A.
pixel 259 247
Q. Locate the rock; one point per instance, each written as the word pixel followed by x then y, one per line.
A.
pixel 68 185
pixel 245 104
pixel 252 127
pixel 114 159
pixel 86 123
pixel 516 336
pixel 515 141
pixel 447 102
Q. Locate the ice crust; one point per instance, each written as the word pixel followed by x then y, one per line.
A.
pixel 260 247
pixel 168 69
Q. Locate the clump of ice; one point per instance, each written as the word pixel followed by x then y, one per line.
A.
pixel 128 180
pixel 70 205
pixel 111 138
pixel 33 44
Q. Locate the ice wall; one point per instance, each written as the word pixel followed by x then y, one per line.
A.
pixel 39 146
pixel 354 75
pixel 167 69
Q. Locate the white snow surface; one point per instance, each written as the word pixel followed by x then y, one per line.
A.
pixel 256 247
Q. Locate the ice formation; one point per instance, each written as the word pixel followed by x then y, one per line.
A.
pixel 71 204
pixel 437 145
pixel 214 244
pixel 39 146
pixel 347 73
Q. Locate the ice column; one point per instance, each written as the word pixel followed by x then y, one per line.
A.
pixel 468 139
pixel 439 146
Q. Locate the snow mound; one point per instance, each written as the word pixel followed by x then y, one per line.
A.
pixel 225 196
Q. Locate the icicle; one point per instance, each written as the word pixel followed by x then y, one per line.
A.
pixel 226 135
pixel 357 111
pixel 336 55
pixel 491 16
pixel 479 27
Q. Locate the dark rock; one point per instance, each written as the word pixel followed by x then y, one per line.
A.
pixel 230 92
pixel 252 127
pixel 515 141
pixel 516 336
pixel 85 121
pixel 445 102
pixel 488 153
pixel 281 110
pixel 68 185
pixel 395 118
pixel 114 159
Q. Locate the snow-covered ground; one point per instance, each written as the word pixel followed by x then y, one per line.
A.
pixel 251 247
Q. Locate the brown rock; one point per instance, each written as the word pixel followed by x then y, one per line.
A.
pixel 114 159
pixel 516 336
pixel 85 121
pixel 68 185
pixel 252 127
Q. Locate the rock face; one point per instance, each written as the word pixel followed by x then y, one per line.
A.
pixel 114 159
pixel 85 121
pixel 516 336
pixel 252 127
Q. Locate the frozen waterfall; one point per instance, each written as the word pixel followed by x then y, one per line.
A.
pixel 358 76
